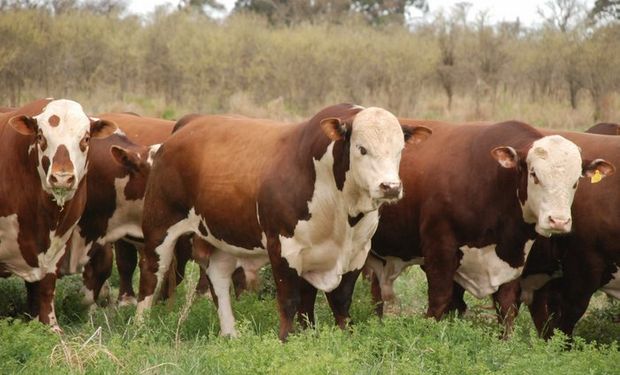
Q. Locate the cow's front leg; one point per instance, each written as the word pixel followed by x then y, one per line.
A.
pixel 287 287
pixel 96 272
pixel 340 298
pixel 126 262
pixel 47 289
pixel 32 297
pixel 440 265
pixel 305 312
pixel 458 299
pixel 507 302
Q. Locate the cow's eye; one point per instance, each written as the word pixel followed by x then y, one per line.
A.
pixel 86 138
pixel 575 185
pixel 363 150
pixel 534 177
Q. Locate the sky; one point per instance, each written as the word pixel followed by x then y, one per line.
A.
pixel 498 10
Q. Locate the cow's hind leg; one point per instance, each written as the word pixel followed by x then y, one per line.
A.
pixel 160 236
pixel 375 291
pixel 220 270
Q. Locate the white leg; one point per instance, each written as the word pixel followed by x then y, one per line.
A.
pixel 220 270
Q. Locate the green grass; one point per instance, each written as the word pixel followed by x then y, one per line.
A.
pixel 183 338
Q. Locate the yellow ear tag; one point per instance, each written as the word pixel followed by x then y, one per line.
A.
pixel 596 177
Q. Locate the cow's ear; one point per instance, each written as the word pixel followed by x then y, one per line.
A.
pixel 126 158
pixel 597 169
pixel 506 156
pixel 23 124
pixel 334 128
pixel 101 128
pixel 416 134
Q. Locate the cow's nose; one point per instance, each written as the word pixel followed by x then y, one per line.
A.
pixel 391 189
pixel 560 223
pixel 62 180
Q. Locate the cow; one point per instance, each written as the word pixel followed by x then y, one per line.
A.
pixel 113 212
pixel 476 195
pixel 563 273
pixel 45 147
pixel 119 170
pixel 306 196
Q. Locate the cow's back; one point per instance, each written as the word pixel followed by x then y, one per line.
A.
pixel 141 130
pixel 216 165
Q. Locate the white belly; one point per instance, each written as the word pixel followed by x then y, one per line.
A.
pixel 482 272
pixel 612 288
pixel 388 272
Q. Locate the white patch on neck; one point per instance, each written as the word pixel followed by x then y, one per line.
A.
pixel 612 288
pixel 325 247
pixel 482 272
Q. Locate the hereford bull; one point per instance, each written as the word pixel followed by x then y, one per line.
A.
pixel 45 147
pixel 307 196
pixel 475 197
pixel 563 273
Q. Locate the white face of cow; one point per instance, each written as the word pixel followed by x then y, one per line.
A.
pixel 376 144
pixel 554 168
pixel 62 135
pixel 553 165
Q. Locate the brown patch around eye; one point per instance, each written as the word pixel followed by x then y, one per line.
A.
pixel 41 141
pixel 54 120
pixel 45 163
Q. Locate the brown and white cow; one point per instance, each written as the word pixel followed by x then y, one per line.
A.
pixel 307 196
pixel 116 184
pixel 113 213
pixel 45 147
pixel 563 273
pixel 475 198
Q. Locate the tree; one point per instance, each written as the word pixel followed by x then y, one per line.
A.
pixel 202 6
pixel 606 9
pixel 385 11
pixel 562 14
pixel 292 12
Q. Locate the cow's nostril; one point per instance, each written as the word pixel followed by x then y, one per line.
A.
pixel 53 179
pixel 71 180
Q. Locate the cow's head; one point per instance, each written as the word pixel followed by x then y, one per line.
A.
pixel 61 135
pixel 549 173
pixel 376 141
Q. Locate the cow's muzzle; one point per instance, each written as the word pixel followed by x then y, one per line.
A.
pixel 391 190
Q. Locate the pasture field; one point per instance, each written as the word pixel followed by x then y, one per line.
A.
pixel 181 338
